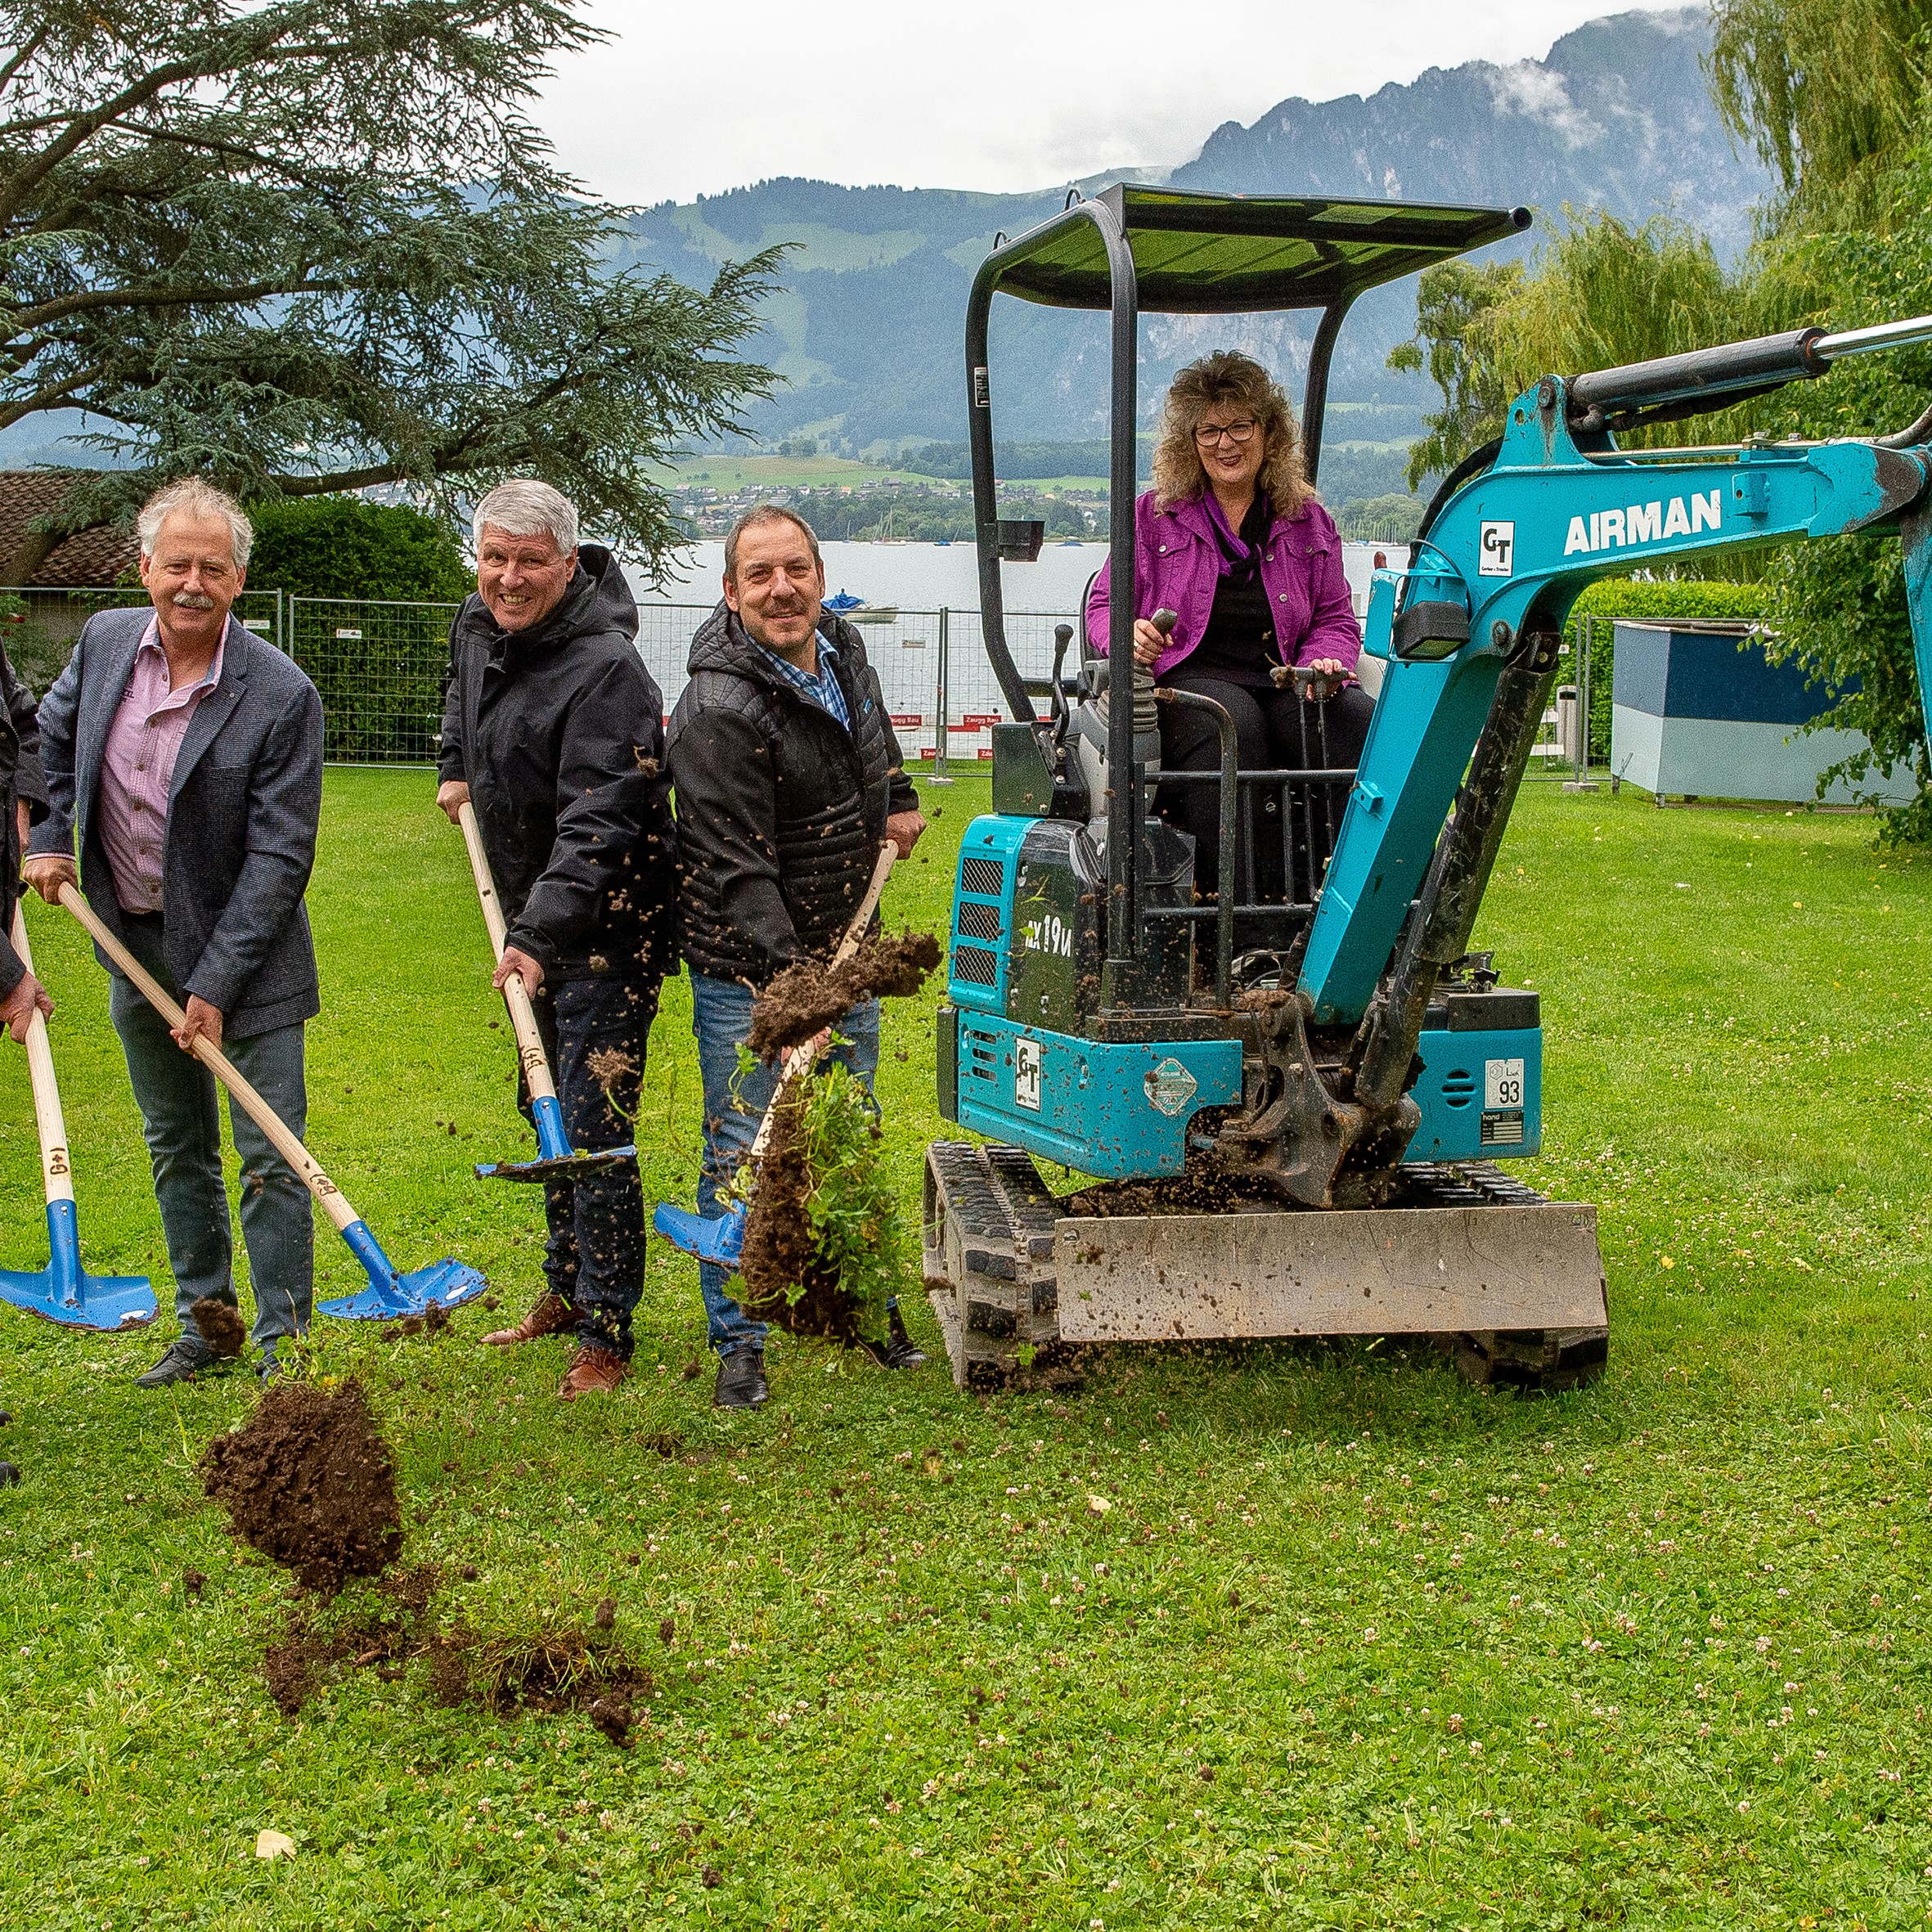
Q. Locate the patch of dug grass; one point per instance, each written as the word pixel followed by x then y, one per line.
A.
pixel 1323 1575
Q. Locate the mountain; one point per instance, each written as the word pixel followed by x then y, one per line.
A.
pixel 868 329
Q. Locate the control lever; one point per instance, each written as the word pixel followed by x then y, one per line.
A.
pixel 1320 685
pixel 1146 717
pixel 1057 707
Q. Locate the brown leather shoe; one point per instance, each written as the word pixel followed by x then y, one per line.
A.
pixel 593 1372
pixel 551 1316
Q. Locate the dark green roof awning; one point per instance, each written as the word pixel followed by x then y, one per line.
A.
pixel 1226 254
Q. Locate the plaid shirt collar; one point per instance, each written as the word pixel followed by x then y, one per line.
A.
pixel 823 691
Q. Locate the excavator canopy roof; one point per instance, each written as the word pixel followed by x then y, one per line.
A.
pixel 1224 254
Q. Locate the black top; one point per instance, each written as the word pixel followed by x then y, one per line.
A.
pixel 781 808
pixel 1238 646
pixel 559 732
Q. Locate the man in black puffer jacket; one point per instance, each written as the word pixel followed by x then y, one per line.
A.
pixel 553 731
pixel 788 779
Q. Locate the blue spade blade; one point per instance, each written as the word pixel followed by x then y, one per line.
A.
pixel 66 1294
pixel 449 1283
pixel 570 1166
pixel 711 1238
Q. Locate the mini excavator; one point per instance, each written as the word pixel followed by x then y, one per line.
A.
pixel 1303 1137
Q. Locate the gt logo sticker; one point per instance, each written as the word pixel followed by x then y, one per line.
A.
pixel 1498 549
pixel 1025 1074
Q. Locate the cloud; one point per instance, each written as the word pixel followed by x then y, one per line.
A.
pixel 681 101
pixel 1540 93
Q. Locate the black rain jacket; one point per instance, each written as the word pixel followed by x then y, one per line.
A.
pixel 780 810
pixel 20 778
pixel 559 732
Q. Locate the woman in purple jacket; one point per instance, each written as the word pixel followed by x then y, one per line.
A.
pixel 1232 540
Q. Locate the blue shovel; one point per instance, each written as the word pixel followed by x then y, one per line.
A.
pixel 65 1292
pixel 721 1237
pixel 556 1158
pixel 390 1293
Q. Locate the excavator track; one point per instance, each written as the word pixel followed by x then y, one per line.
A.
pixel 1510 1284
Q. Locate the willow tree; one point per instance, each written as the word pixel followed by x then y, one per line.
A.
pixel 304 247
pixel 1599 294
pixel 1828 95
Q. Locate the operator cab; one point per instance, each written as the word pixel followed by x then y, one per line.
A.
pixel 1141 944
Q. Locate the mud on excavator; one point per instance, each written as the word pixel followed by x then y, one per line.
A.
pixel 1305 1138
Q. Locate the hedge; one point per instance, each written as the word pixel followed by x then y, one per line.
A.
pixel 1695 598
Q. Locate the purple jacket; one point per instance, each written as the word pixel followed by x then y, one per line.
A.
pixel 1175 568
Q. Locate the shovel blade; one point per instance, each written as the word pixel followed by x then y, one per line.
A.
pixel 573 1166
pixel 107 1303
pixel 63 1292
pixel 711 1238
pixel 448 1282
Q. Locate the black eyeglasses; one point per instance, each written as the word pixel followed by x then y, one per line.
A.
pixel 1207 436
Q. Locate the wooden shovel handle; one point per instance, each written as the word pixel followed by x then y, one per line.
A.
pixel 55 1169
pixel 516 995
pixel 334 1202
pixel 802 1058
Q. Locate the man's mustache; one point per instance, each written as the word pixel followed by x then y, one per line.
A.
pixel 192 600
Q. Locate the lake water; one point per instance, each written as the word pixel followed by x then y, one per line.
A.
pixel 915 581
pixel 925 576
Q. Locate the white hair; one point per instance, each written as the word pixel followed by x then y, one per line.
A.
pixel 192 498
pixel 524 507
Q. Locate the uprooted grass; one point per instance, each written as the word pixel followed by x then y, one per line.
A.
pixel 825 1247
pixel 1743 1086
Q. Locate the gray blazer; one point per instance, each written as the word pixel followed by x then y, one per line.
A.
pixel 242 812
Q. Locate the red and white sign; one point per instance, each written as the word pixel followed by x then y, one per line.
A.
pixel 907 717
pixel 974 719
pixel 985 751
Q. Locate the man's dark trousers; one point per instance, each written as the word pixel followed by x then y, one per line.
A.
pixel 596 1031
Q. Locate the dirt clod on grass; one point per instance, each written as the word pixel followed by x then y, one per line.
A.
pixel 308 1481
pixel 192 1582
pixel 220 1325
pixel 606 1613
pixel 812 994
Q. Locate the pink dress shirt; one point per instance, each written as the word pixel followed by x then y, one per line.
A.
pixel 138 770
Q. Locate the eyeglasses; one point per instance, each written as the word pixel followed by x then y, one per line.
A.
pixel 1209 434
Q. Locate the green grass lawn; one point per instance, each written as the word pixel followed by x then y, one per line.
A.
pixel 1355 1645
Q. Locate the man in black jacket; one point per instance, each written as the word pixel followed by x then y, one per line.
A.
pixel 788 778
pixel 553 731
pixel 23 804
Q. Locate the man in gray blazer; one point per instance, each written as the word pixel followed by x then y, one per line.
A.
pixel 189 755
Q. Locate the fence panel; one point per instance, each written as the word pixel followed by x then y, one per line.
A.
pixel 379 667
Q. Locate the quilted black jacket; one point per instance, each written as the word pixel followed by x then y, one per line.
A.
pixel 780 810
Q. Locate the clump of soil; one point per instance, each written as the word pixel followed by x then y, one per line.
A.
pixel 308 1646
pixel 308 1481
pixel 433 1320
pixel 220 1325
pixel 810 995
pixel 778 1250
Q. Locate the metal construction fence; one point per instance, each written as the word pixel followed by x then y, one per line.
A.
pixel 379 666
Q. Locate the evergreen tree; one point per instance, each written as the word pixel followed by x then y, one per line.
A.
pixel 306 246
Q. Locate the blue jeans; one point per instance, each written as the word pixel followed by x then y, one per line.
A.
pixel 182 1123
pixel 721 1018
pixel 594 1257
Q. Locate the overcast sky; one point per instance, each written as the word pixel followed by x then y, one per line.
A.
pixel 695 98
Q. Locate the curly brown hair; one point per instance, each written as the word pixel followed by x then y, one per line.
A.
pixel 1228 377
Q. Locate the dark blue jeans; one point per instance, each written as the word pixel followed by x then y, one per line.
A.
pixel 721 1018
pixel 181 1118
pixel 594 1257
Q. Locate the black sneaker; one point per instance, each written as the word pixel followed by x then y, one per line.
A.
pixel 741 1380
pixel 899 1350
pixel 180 1363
